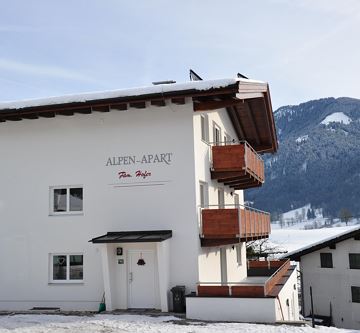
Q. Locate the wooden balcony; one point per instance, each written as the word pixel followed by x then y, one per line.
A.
pixel 231 225
pixel 237 165
pixel 265 279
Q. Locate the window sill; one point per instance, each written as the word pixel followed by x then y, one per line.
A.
pixel 67 214
pixel 65 283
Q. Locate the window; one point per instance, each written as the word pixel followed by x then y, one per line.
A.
pixel 66 268
pixel 354 260
pixel 66 200
pixel 326 260
pixel 221 198
pixel 355 294
pixel 238 254
pixel 203 194
pixel 216 134
pixel 223 265
pixel 204 127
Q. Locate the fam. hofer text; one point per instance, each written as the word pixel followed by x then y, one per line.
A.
pixel 165 158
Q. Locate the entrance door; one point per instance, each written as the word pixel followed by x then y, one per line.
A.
pixel 141 279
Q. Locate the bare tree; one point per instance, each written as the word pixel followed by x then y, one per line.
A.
pixel 281 220
pixel 262 249
pixel 345 215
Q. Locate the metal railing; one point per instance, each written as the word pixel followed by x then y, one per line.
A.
pixel 242 221
pixel 266 285
pixel 250 159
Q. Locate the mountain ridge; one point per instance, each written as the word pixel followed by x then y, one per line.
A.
pixel 317 163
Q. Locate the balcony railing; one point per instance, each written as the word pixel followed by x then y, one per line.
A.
pixel 237 165
pixel 274 273
pixel 234 223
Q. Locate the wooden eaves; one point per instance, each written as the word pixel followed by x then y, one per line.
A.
pixel 247 102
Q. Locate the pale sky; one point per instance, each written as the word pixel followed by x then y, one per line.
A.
pixel 305 49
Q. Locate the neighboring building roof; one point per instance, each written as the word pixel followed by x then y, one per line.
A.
pixel 247 102
pixel 296 255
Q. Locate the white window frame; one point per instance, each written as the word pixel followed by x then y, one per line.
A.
pixel 204 131
pixel 51 268
pixel 216 127
pixel 68 212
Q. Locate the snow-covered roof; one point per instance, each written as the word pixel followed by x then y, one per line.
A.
pixel 120 93
pixel 231 94
pixel 351 232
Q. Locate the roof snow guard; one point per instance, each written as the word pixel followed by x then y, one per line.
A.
pixel 247 102
pixel 296 255
pixel 133 236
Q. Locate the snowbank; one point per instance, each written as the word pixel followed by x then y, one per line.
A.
pixel 141 324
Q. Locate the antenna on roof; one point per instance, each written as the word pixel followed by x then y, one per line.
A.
pixel 240 76
pixel 194 76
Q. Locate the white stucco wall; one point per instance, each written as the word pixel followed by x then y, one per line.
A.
pixel 37 154
pixel 287 302
pixel 232 309
pixel 209 258
pixel 333 285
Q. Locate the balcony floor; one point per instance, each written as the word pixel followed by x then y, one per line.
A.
pixel 258 280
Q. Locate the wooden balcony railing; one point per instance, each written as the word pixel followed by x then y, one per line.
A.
pixel 238 289
pixel 221 226
pixel 237 165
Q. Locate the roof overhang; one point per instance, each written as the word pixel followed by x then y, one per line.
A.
pixel 247 102
pixel 133 236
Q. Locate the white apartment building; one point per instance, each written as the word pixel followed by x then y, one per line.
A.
pixel 129 193
pixel 332 269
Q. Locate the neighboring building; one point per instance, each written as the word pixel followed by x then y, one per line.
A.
pixel 332 268
pixel 131 192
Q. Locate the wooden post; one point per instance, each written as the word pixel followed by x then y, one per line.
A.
pixel 312 308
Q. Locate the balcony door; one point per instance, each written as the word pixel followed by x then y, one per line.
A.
pixel 223 265
pixel 221 198
pixel 236 200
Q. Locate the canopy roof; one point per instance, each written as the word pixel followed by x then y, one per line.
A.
pixel 133 236
pixel 247 102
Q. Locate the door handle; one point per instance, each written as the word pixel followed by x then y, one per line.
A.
pixel 131 277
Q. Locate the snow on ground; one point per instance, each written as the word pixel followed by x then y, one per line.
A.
pixel 298 211
pixel 293 239
pixel 337 117
pixel 302 138
pixel 139 324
